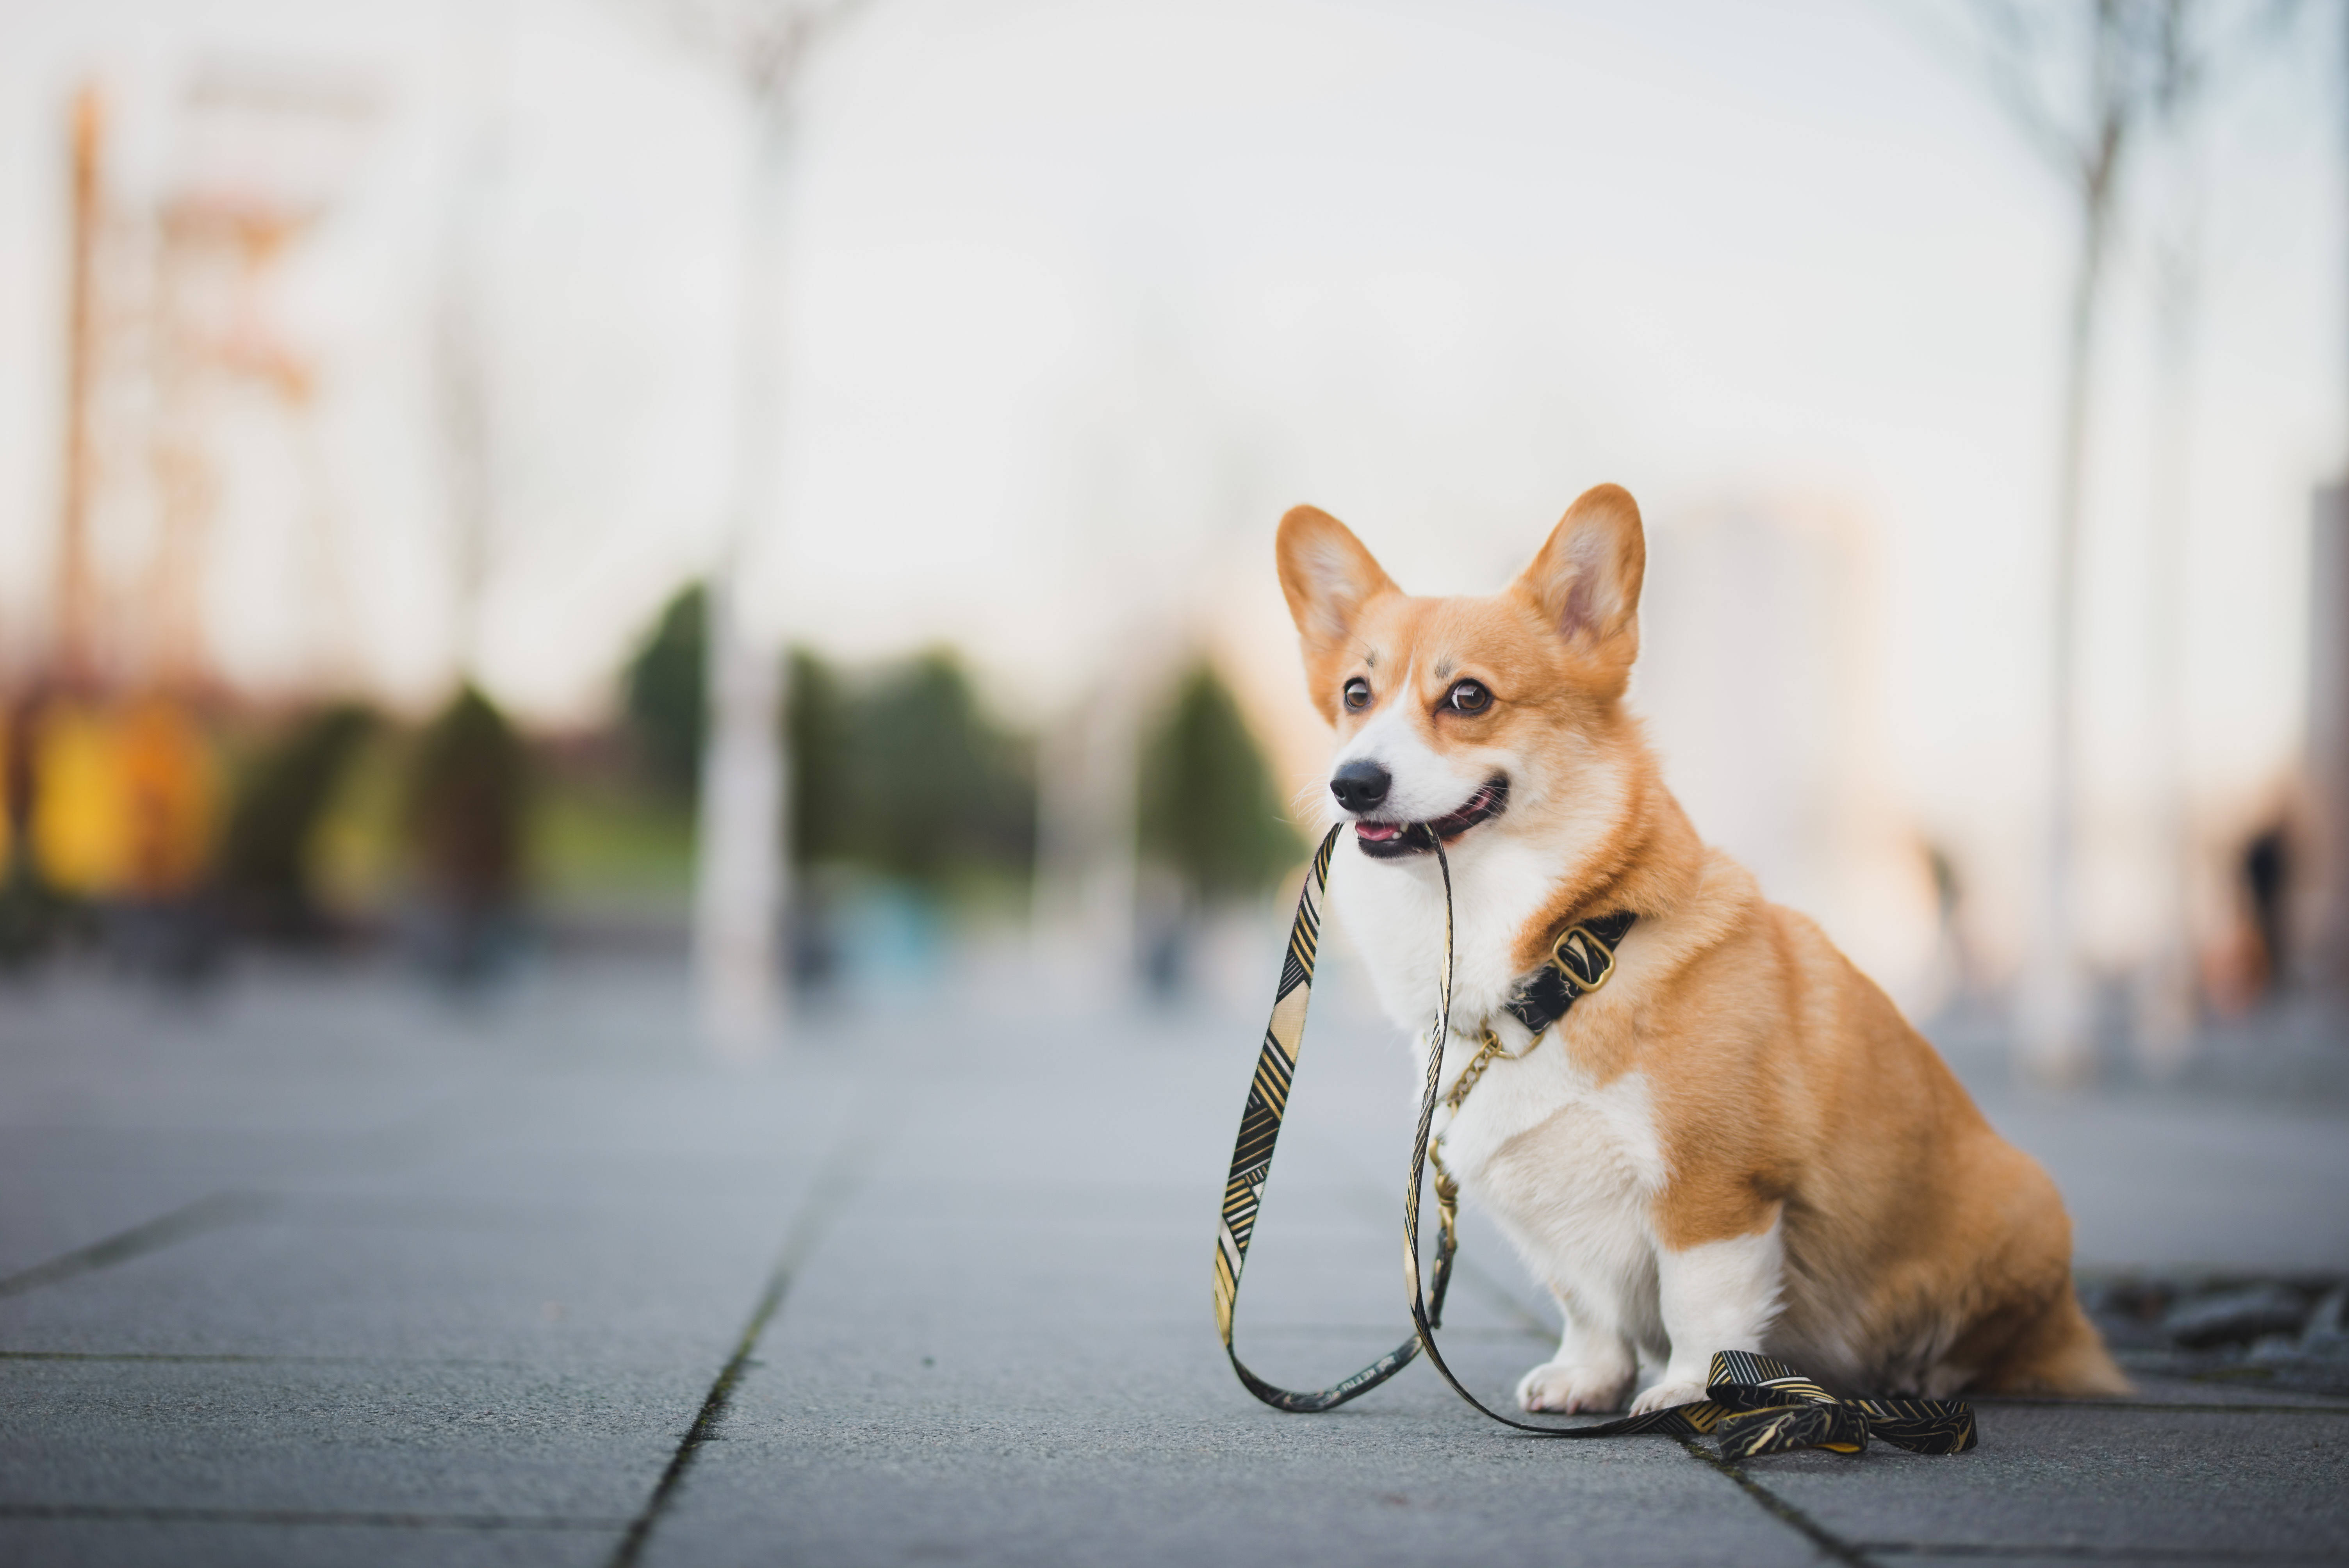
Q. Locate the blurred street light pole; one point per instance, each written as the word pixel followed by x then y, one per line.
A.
pixel 462 331
pixel 2144 61
pixel 741 871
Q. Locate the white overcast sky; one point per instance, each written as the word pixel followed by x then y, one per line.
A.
pixel 1083 293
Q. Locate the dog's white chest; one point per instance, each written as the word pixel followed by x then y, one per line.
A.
pixel 1395 914
pixel 1570 1171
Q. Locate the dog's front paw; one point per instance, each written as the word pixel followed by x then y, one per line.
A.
pixel 1568 1390
pixel 1665 1395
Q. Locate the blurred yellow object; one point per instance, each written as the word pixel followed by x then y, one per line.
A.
pixel 80 845
pixel 123 805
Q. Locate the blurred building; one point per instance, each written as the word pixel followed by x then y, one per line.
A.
pixel 1760 659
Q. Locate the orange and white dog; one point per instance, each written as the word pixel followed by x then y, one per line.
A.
pixel 1737 1143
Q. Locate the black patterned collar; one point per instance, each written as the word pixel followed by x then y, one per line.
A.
pixel 1582 959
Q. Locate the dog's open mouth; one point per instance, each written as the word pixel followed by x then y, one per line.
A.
pixel 1392 841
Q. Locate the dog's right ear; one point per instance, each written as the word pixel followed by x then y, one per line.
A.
pixel 1326 576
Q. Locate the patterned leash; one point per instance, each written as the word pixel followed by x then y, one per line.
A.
pixel 1755 1403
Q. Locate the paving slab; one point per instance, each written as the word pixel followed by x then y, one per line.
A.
pixel 2155 1182
pixel 398 1276
pixel 2246 1482
pixel 283 1437
pixel 366 1278
pixel 195 1540
pixel 1001 1352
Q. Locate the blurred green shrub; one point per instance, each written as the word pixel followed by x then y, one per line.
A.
pixel 899 770
pixel 270 857
pixel 1209 812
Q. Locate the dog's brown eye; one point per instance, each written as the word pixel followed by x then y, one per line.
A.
pixel 1357 694
pixel 1468 697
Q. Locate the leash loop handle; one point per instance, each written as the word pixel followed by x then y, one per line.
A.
pixel 1260 1120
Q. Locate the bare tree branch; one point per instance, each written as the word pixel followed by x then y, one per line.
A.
pixel 764 43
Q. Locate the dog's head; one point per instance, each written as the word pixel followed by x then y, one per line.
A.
pixel 1455 712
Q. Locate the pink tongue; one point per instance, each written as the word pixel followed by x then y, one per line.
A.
pixel 1377 831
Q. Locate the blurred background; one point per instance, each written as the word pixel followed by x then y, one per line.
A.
pixel 790 487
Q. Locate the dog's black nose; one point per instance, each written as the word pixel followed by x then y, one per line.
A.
pixel 1361 785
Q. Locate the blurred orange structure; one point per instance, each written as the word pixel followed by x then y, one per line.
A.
pixel 115 790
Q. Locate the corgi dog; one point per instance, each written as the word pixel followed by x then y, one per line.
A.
pixel 1736 1142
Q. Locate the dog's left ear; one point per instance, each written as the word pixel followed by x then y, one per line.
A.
pixel 1586 581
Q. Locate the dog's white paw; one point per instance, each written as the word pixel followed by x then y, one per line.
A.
pixel 1567 1389
pixel 1672 1391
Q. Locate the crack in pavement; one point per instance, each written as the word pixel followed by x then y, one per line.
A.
pixel 1770 1502
pixel 204 1215
pixel 2015 1401
pixel 2083 1554
pixel 343 1518
pixel 1778 1508
pixel 835 1182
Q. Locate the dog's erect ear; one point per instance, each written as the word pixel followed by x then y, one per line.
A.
pixel 1587 578
pixel 1328 577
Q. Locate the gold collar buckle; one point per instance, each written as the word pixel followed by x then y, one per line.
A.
pixel 1581 957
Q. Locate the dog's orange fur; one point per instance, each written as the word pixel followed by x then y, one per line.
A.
pixel 1786 1085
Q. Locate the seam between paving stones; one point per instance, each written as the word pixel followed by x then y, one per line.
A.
pixel 1770 1502
pixel 838 1180
pixel 363 1519
pixel 231 1358
pixel 204 1215
pixel 1846 1552
pixel 1828 1542
pixel 2007 1401
pixel 2086 1553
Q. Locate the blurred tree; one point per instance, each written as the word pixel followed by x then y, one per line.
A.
pixel 666 688
pixel 927 786
pixel 268 862
pixel 816 732
pixel 1209 811
pixel 899 770
pixel 33 914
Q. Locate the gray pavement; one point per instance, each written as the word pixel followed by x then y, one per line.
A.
pixel 318 1269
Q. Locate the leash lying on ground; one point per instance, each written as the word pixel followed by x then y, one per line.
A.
pixel 1753 1405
